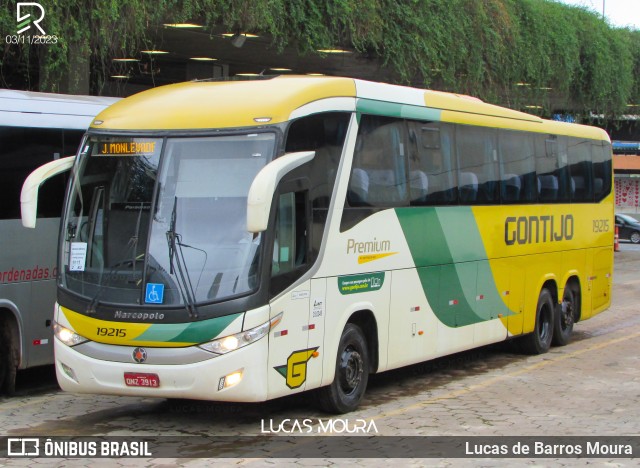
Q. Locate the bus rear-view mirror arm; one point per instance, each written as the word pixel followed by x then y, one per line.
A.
pixel 29 194
pixel 264 186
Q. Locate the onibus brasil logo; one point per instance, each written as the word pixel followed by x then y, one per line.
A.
pixel 25 20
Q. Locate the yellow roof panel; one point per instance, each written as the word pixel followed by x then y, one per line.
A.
pixel 234 104
pixel 227 104
pixel 471 105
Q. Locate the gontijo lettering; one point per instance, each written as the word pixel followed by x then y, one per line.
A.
pixel 536 229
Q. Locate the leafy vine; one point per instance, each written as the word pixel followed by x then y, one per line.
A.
pixel 505 51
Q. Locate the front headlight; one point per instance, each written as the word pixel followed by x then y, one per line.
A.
pixel 239 340
pixel 68 337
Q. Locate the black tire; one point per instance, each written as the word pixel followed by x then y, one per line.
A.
pixel 352 373
pixel 539 341
pixel 566 315
pixel 8 366
pixel 635 237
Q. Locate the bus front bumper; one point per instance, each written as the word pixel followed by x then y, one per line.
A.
pixel 237 376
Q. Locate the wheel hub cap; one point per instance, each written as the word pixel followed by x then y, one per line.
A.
pixel 351 368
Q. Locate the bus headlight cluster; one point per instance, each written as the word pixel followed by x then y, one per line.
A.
pixel 232 342
pixel 68 337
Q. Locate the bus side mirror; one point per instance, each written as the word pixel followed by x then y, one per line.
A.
pixel 264 186
pixel 29 194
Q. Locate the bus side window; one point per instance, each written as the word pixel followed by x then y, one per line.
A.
pixel 323 133
pixel 477 154
pixel 431 168
pixel 579 160
pixel 552 168
pixel 517 167
pixel 601 167
pixel 290 242
pixel 25 149
pixel 379 174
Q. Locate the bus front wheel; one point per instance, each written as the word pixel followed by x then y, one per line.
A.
pixel 351 374
pixel 539 341
pixel 8 361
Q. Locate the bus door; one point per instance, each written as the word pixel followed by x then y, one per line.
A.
pixel 295 343
pixel 315 325
pixel 288 350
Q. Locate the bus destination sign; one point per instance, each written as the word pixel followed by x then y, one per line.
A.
pixel 126 148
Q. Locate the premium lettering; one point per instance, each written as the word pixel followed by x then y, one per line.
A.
pixel 368 247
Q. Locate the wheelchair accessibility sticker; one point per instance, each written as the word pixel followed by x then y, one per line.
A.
pixel 154 293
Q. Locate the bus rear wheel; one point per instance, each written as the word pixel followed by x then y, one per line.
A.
pixel 539 341
pixel 566 315
pixel 351 375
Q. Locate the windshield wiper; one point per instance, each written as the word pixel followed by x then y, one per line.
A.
pixel 185 286
pixel 95 301
pixel 132 245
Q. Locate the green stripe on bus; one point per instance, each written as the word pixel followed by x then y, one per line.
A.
pixel 195 332
pixel 451 261
pixel 390 109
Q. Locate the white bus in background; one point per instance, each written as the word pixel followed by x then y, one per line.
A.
pixel 35 128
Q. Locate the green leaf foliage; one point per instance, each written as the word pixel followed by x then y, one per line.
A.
pixel 478 47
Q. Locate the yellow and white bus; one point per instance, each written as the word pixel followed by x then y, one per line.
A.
pixel 243 241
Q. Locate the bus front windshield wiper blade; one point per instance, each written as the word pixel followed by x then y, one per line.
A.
pixel 176 257
pixel 131 247
pixel 95 301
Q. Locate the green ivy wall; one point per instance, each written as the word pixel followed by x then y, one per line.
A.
pixel 477 47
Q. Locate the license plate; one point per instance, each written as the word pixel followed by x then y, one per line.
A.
pixel 140 379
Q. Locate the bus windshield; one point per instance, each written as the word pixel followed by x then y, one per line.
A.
pixel 163 221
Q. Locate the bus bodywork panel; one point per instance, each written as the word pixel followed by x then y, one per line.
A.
pixel 198 105
pixel 170 335
pixel 184 371
pixel 49 110
pixel 444 279
pixel 27 285
pixel 196 380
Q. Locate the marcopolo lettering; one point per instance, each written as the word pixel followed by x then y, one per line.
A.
pixel 538 229
pixel 138 315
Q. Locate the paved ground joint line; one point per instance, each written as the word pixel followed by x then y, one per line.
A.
pixel 499 378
